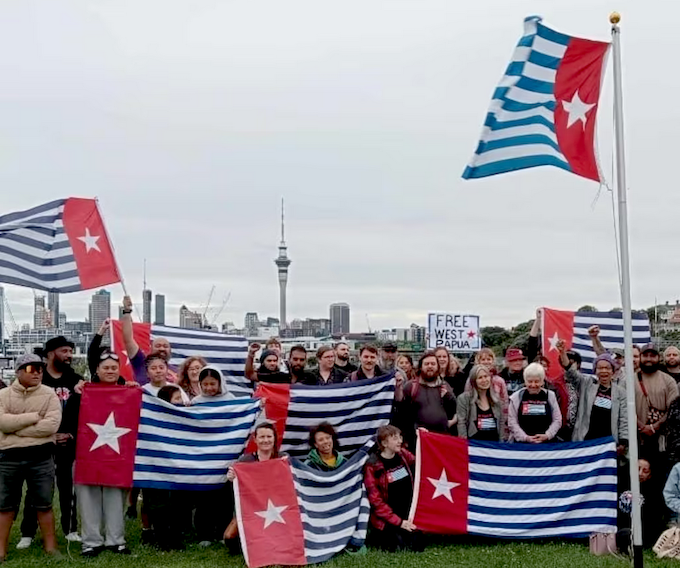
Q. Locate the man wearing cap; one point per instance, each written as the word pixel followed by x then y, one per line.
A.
pixel 30 415
pixel 388 357
pixel 136 355
pixel 654 392
pixel 512 373
pixel 60 376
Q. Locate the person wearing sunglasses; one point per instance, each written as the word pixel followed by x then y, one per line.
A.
pixel 30 416
pixel 100 505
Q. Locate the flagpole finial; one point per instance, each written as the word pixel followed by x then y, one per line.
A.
pixel 614 18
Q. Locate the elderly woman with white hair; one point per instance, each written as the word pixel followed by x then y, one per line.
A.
pixel 534 415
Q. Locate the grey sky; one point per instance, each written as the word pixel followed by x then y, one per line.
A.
pixel 189 120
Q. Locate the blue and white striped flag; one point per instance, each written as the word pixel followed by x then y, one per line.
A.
pixel 514 490
pixel 190 447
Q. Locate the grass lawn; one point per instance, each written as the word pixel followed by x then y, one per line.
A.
pixel 486 555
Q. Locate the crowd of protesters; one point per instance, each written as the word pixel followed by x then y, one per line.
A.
pixel 513 404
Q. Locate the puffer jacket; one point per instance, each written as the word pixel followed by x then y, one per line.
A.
pixel 28 416
pixel 377 486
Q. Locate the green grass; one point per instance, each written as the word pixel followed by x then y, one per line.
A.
pixel 497 555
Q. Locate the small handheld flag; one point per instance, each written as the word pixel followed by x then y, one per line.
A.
pixel 543 111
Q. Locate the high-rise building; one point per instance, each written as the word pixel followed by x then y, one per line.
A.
pixel 62 320
pixel 251 321
pixel 189 319
pixel 282 262
pixel 41 314
pixel 53 307
pixel 100 309
pixel 2 315
pixel 146 305
pixel 339 318
pixel 160 309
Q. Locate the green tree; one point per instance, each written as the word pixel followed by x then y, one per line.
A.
pixel 587 308
pixel 493 336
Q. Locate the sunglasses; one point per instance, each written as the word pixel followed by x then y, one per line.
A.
pixel 107 355
pixel 33 368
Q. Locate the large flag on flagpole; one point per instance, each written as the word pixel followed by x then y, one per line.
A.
pixel 543 111
pixel 514 490
pixel 572 327
pixel 61 246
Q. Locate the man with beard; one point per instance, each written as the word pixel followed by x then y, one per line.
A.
pixel 297 360
pixel 427 402
pixel 342 358
pixel 513 372
pixel 671 362
pixel 388 356
pixel 60 376
pixel 136 355
pixel 654 392
pixel 326 373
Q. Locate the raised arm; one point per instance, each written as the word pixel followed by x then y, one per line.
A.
pixel 94 350
pixel 128 334
pixel 251 373
pixel 533 345
pixel 594 332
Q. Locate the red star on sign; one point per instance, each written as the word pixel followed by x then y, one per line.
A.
pixel 471 334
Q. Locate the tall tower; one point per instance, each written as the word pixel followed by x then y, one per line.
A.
pixel 146 300
pixel 282 262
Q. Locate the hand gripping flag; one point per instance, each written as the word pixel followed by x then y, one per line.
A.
pixel 107 435
pixel 572 327
pixel 60 246
pixel 543 111
pixel 356 410
pixel 291 514
pixel 227 352
pixel 191 448
pixel 514 490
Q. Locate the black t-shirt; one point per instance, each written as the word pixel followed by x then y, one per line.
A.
pixel 273 377
pixel 673 374
pixel 601 415
pixel 399 485
pixel 487 428
pixel 348 368
pixel 64 386
pixel 535 414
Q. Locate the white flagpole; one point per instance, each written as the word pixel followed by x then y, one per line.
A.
pixel 614 19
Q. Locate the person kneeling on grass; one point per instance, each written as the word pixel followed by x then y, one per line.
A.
pixel 97 503
pixel 30 415
pixel 324 455
pixel 388 477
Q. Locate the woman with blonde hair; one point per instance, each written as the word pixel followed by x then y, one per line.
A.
pixel 188 375
pixel 481 412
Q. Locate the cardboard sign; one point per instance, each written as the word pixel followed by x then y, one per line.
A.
pixel 456 332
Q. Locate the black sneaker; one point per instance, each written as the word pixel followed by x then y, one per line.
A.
pixel 148 536
pixel 119 549
pixel 91 551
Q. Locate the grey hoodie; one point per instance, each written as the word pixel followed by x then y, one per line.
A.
pixel 223 395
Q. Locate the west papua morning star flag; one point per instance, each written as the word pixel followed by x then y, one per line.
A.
pixel 543 111
pixel 291 514
pixel 514 490
pixel 355 409
pixel 227 352
pixel 107 435
pixel 191 447
pixel 572 327
pixel 61 246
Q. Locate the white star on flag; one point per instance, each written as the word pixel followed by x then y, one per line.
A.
pixel 443 486
pixel 108 434
pixel 554 340
pixel 272 514
pixel 577 110
pixel 90 241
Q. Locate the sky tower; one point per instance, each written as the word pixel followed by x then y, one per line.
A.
pixel 282 262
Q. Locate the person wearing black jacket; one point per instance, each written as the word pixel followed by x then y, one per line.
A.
pixel 327 373
pixel 60 376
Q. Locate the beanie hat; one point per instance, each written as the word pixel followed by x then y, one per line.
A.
pixel 266 353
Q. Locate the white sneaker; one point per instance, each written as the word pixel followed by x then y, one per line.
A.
pixel 24 543
pixel 73 537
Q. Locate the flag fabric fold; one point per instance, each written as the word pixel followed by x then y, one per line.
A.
pixel 543 111
pixel 227 352
pixel 572 327
pixel 291 514
pixel 514 490
pixel 355 409
pixel 192 447
pixel 60 246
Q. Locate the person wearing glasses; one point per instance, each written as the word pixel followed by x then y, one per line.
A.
pixel 98 504
pixel 30 416
pixel 327 373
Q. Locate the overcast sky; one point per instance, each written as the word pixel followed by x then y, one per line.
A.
pixel 190 120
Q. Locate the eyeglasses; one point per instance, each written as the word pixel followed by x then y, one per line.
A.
pixel 33 368
pixel 108 355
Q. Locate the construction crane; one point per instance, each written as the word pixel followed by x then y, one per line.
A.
pixel 219 312
pixel 207 304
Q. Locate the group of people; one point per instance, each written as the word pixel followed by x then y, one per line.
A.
pixel 519 404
